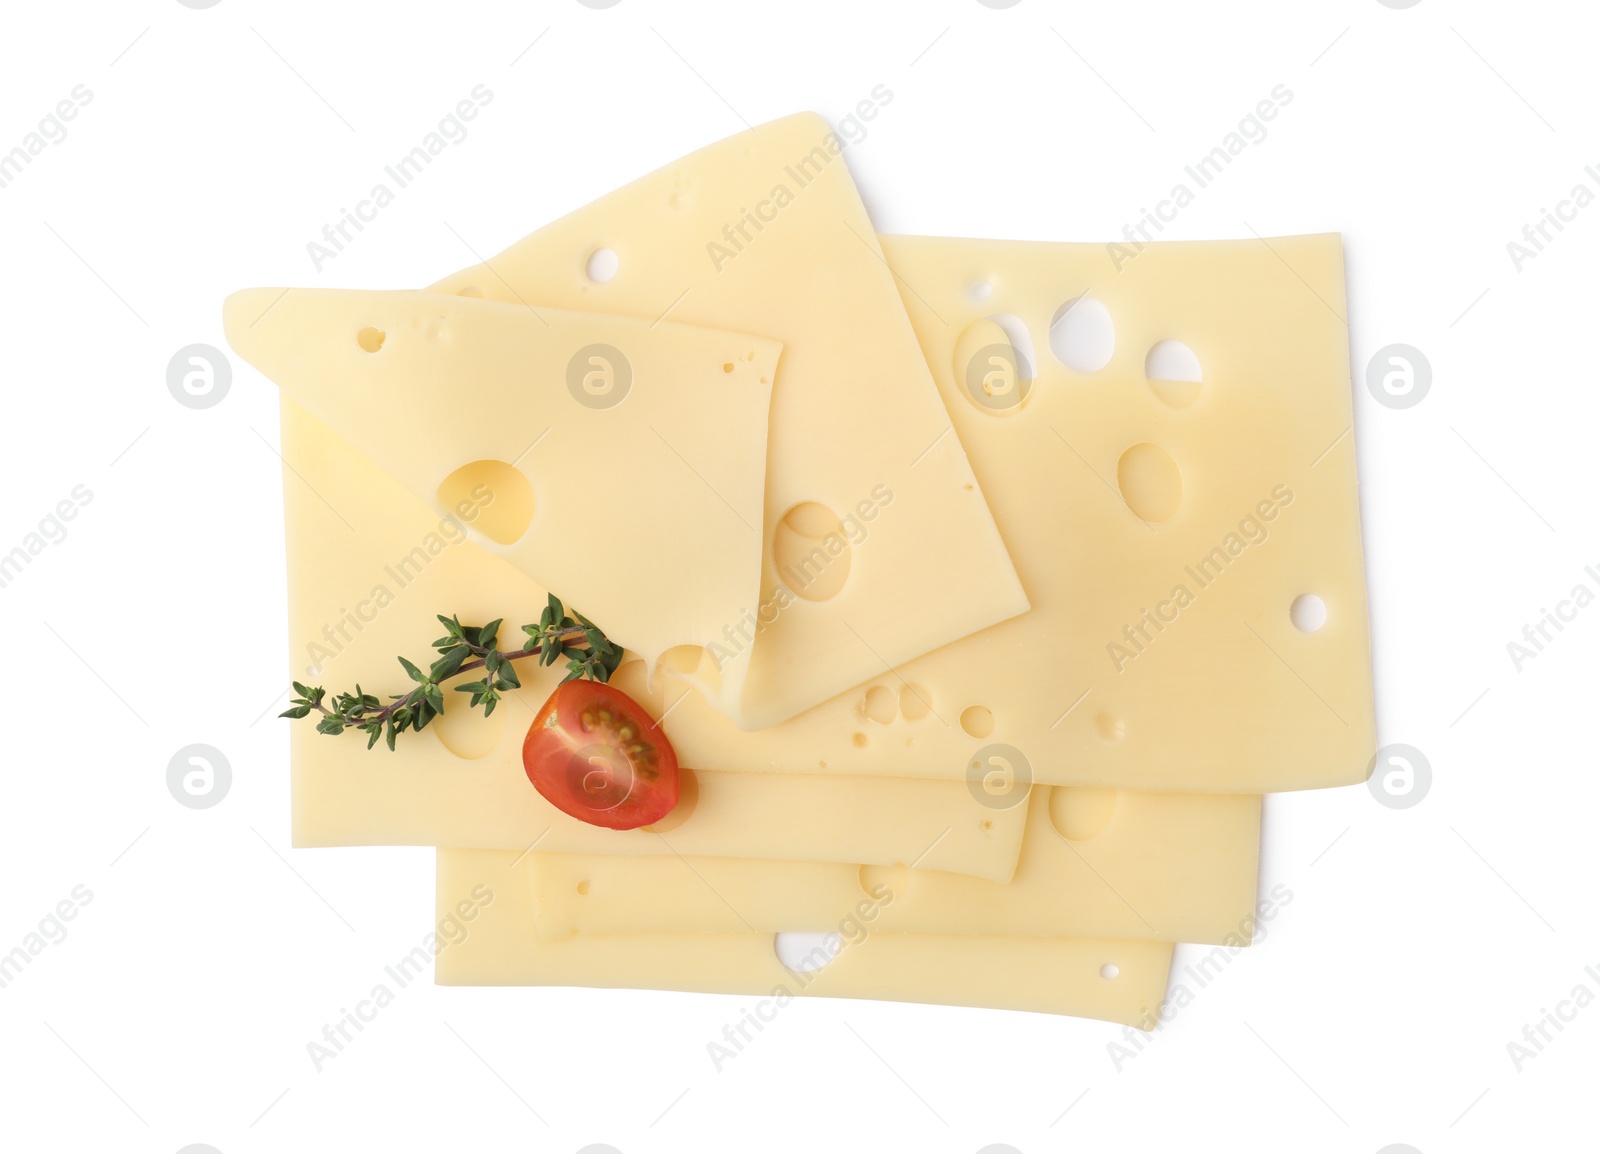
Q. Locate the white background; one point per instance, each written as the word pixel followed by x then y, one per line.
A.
pixel 1418 942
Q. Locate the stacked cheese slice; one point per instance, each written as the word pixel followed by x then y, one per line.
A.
pixel 965 576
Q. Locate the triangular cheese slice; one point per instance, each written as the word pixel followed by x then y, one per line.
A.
pixel 878 546
pixel 617 462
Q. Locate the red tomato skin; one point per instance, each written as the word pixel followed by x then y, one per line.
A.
pixel 595 770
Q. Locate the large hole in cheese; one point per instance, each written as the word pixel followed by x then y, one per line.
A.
pixel 601 266
pixel 994 364
pixel 1078 813
pixel 1082 336
pixel 1150 482
pixel 806 952
pixel 879 704
pixel 464 731
pixel 977 720
pixel 884 884
pixel 490 496
pixel 915 702
pixel 1308 612
pixel 1173 372
pixel 812 551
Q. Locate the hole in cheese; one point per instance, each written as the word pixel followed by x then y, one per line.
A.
pixel 884 883
pixel 467 733
pixel 977 721
pixel 583 889
pixel 812 551
pixel 915 702
pixel 1077 813
pixel 1173 372
pixel 994 364
pixel 1109 971
pixel 601 265
pixel 1082 336
pixel 1309 613
pixel 879 705
pixel 684 659
pixel 1150 482
pixel 370 339
pixel 491 497
pixel 806 953
pixel 694 665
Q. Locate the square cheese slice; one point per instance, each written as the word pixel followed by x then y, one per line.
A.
pixel 877 544
pixel 1095 863
pixel 625 459
pixel 1169 452
pixel 483 902
pixel 370 565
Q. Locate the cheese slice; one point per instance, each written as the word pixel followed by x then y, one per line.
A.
pixel 625 460
pixel 1164 528
pixel 1095 863
pixel 370 565
pixel 487 939
pixel 877 544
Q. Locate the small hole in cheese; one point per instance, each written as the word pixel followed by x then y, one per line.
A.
pixel 806 952
pixel 977 721
pixel 583 889
pixel 601 265
pixel 1309 613
pixel 370 339
pixel 727 366
pixel 1108 971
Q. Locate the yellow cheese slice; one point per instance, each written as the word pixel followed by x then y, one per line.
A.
pixel 1095 863
pixel 877 543
pixel 625 460
pixel 1164 528
pixel 487 939
pixel 370 565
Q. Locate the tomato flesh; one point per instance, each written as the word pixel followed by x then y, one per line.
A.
pixel 594 753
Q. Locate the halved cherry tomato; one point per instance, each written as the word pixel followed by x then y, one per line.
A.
pixel 594 753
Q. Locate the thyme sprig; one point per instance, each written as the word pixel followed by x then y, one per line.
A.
pixel 557 635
